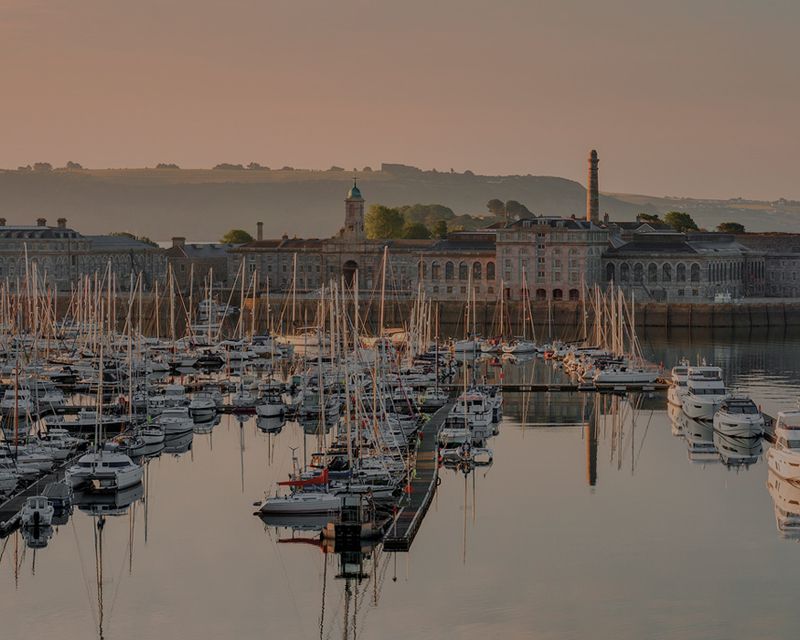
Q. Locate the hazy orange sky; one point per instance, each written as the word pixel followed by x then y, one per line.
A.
pixel 689 97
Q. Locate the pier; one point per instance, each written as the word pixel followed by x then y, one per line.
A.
pixel 409 517
pixel 570 387
pixel 10 509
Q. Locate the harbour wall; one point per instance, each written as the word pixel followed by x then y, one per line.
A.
pixel 561 319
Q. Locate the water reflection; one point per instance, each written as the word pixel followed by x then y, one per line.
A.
pixel 561 460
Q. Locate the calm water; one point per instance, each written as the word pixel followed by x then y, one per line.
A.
pixel 604 531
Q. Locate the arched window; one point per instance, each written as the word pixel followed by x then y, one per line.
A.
pixel 476 271
pixel 624 272
pixel 422 270
pixel 638 272
pixel 695 272
pixel 449 271
pixel 574 294
pixel 490 270
pixel 435 271
pixel 680 272
pixel 558 294
pixel 610 276
pixel 652 272
pixel 463 271
pixel 666 272
pixel 541 294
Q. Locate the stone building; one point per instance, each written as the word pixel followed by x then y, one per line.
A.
pixel 63 255
pixel 553 257
pixel 781 253
pixel 195 262
pixel 689 267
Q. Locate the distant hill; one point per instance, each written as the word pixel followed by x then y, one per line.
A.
pixel 202 204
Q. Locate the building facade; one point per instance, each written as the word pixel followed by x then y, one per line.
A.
pixel 62 256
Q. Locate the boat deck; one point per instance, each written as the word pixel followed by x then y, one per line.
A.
pixel 409 517
pixel 572 387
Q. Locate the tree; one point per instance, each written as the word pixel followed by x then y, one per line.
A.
pixel 227 166
pixel 42 166
pixel 517 209
pixel 167 165
pixel 496 207
pixel 416 231
pixel 254 166
pixel 335 168
pixel 680 221
pixel 648 217
pixel 74 165
pixel 236 236
pixel 383 222
pixel 439 229
pixel 730 227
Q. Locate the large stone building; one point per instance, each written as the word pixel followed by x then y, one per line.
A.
pixel 63 256
pixel 554 258
pixel 693 267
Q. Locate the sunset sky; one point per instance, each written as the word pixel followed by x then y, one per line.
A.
pixel 686 97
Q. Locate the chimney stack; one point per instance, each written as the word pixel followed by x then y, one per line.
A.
pixel 178 242
pixel 62 223
pixel 593 191
pixel 259 231
pixel 2 222
pixel 41 222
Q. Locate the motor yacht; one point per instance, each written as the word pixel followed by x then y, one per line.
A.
pixel 705 392
pixel 783 457
pixel 739 417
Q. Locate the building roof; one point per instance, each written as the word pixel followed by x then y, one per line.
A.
pixel 119 243
pixel 37 232
pixel 200 250
pixel 548 221
pixel 708 244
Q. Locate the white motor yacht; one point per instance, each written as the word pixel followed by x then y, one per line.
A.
pixel 739 417
pixel 37 512
pixel 786 499
pixel 705 392
pixel 677 388
pixel 202 406
pixel 271 404
pixel 174 420
pixel 784 456
pixel 104 470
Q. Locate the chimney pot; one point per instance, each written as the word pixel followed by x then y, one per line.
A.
pixel 62 223
pixel 259 230
pixel 2 222
pixel 178 242
pixel 41 222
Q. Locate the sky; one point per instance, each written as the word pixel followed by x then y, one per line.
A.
pixel 688 97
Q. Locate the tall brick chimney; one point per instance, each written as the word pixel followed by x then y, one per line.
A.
pixel 593 191
pixel 259 230
pixel 41 222
pixel 178 242
pixel 62 223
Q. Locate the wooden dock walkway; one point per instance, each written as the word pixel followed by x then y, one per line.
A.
pixel 571 387
pixel 409 517
pixel 9 510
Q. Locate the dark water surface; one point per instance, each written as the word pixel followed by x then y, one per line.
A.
pixel 592 522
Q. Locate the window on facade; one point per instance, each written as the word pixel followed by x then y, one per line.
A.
pixel 541 294
pixel 558 294
pixel 463 271
pixel 652 272
pixel 666 273
pixel 476 271
pixel 574 294
pixel 638 272
pixel 449 289
pixel 435 275
pixel 695 272
pixel 490 270
pixel 449 271
pixel 463 289
pixel 610 272
pixel 624 272
pixel 680 273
